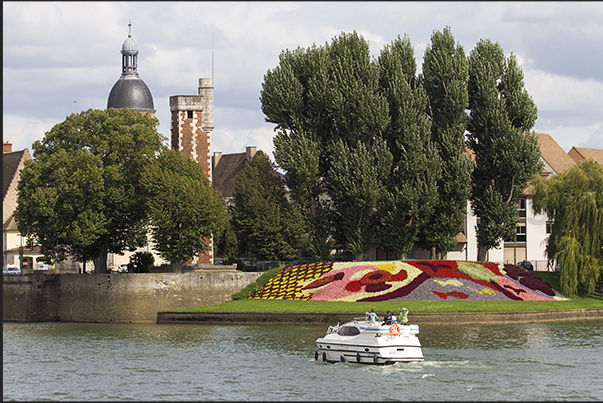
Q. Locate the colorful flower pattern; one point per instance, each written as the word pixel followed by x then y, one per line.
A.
pixel 422 280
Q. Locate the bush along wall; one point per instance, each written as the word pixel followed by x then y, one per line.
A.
pixel 406 281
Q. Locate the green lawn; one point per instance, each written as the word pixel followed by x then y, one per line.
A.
pixel 284 306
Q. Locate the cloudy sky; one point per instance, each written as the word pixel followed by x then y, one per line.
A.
pixel 61 58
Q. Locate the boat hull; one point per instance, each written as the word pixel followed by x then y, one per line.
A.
pixel 372 345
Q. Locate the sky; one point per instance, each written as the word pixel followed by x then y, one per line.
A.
pixel 61 58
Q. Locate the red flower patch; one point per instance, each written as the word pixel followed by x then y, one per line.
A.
pixel 353 286
pixel 456 294
pixel 400 276
pixel 444 269
pixel 319 282
pixel 400 292
pixel 377 287
pixel 493 267
pixel 376 277
pixel 535 283
pixel 515 272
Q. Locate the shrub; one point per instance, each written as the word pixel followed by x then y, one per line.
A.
pixel 140 262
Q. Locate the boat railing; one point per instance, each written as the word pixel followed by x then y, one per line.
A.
pixel 333 329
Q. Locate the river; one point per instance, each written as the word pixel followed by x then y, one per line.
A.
pixel 190 362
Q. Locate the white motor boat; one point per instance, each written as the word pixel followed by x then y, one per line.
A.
pixel 370 343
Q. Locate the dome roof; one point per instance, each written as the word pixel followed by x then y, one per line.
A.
pixel 131 92
pixel 129 46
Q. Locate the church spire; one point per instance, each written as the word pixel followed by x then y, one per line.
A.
pixel 129 52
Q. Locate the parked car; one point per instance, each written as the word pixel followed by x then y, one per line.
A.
pixel 11 270
pixel 42 266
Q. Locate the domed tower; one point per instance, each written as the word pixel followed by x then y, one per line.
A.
pixel 130 91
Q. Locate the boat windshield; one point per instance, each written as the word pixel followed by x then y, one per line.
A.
pixel 348 331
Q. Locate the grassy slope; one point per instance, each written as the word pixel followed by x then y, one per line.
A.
pixel 256 305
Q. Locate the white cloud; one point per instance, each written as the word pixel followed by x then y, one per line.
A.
pixel 55 53
pixel 576 100
pixel 22 131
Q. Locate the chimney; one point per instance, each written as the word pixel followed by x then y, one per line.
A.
pixel 251 150
pixel 7 147
pixel 216 159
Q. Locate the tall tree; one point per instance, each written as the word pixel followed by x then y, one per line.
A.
pixel 225 241
pixel 411 185
pixel 356 184
pixel 81 193
pixel 293 98
pixel 444 78
pixel 184 209
pixel 507 155
pixel 318 97
pixel 574 201
pixel 267 226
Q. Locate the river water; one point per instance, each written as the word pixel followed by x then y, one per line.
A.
pixel 180 362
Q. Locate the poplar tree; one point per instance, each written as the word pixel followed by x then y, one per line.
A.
pixel 573 200
pixel 507 155
pixel 356 184
pixel 293 98
pixel 411 185
pixel 444 78
pixel 325 100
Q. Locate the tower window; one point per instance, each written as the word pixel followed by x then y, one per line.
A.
pixel 189 114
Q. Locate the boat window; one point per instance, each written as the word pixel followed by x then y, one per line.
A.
pixel 348 331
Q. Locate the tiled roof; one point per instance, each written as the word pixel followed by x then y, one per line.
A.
pixel 10 166
pixel 555 158
pixel 225 173
pixel 581 153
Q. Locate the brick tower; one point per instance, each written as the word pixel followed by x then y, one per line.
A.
pixel 192 123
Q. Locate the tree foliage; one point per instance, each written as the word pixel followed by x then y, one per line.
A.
pixel 225 241
pixel 507 155
pixel 267 226
pixel 411 186
pixel 80 195
pixel 356 184
pixel 184 208
pixel 339 116
pixel 140 262
pixel 444 78
pixel 334 109
pixel 574 201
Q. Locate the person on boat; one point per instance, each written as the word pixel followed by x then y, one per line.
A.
pixel 404 316
pixel 393 319
pixel 387 318
pixel 372 316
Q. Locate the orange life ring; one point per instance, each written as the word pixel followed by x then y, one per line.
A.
pixel 394 329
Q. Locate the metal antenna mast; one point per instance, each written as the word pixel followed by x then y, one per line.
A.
pixel 212 55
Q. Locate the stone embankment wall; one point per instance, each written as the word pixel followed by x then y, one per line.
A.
pixel 414 318
pixel 113 297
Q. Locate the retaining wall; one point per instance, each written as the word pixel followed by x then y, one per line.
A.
pixel 113 297
pixel 415 318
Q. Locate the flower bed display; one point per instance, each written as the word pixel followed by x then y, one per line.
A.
pixel 420 280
